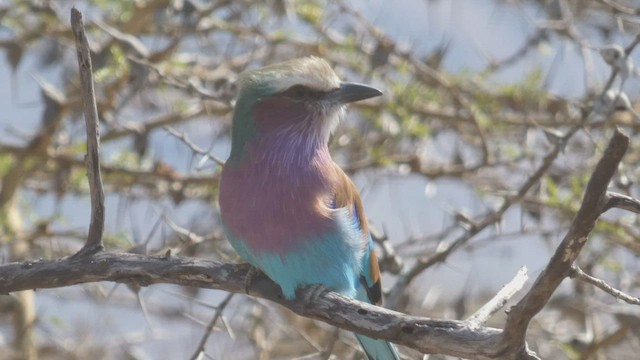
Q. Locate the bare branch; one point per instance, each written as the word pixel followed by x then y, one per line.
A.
pixel 621 8
pixel 390 260
pixel 218 313
pixel 559 267
pixel 576 272
pixel 620 201
pixel 629 49
pixel 173 117
pixel 500 299
pixel 96 227
pixel 449 337
pixel 447 249
pixel 195 148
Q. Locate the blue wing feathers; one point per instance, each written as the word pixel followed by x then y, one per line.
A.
pixel 369 287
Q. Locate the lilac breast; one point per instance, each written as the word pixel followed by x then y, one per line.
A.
pixel 279 198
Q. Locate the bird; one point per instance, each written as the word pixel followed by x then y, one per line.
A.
pixel 286 207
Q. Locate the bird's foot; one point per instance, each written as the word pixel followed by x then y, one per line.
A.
pixel 313 291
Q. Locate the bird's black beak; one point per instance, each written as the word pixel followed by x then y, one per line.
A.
pixel 350 92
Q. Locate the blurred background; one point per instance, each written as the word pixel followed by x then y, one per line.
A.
pixel 464 165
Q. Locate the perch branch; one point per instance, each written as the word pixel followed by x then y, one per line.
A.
pixel 451 337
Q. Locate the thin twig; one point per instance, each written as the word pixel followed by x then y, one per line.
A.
pixel 328 350
pixel 96 227
pixel 476 227
pixel 193 237
pixel 195 148
pixel 576 272
pixel 209 329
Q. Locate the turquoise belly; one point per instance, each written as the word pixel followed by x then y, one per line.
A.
pixel 332 260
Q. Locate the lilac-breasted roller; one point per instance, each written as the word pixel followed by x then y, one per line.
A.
pixel 287 208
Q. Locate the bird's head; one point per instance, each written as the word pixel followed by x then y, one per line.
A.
pixel 301 100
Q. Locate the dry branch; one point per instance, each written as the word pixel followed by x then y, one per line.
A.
pixel 96 227
pixel 450 337
pixel 622 201
pixel 200 350
pixel 476 227
pixel 500 299
pixel 593 205
pixel 577 273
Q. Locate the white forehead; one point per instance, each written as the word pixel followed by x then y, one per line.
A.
pixel 312 72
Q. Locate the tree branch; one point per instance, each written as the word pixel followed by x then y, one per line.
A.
pixel 96 227
pixel 447 249
pixel 593 205
pixel 577 273
pixel 500 299
pixel 621 201
pixel 455 338
pixel 200 351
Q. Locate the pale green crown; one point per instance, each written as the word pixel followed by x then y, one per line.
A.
pixel 311 71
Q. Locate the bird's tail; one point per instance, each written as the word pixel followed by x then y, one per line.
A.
pixel 377 349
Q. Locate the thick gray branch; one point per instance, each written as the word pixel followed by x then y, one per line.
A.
pixel 455 338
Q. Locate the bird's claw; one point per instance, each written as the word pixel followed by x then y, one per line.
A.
pixel 313 291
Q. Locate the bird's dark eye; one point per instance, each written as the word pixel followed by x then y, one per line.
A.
pixel 298 92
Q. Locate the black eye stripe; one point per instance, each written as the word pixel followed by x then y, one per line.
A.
pixel 301 92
